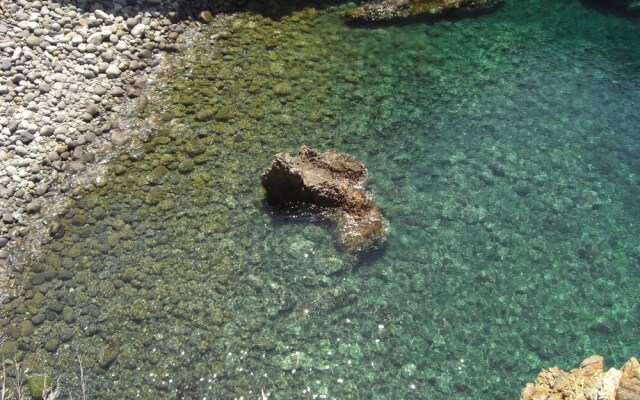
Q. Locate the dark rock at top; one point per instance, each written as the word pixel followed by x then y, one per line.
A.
pixel 386 10
pixel 334 183
pixel 631 5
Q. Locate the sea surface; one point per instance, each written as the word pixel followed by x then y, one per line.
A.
pixel 503 148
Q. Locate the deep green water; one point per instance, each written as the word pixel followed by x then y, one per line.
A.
pixel 503 150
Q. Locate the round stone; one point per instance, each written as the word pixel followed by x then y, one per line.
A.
pixel 32 41
pixel 138 30
pixel 95 38
pixel 118 138
pixel 113 72
pixel 93 109
pixel 33 207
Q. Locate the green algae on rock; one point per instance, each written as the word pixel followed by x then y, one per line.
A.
pixel 386 10
pixel 38 385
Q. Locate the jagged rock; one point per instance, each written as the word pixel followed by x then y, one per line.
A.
pixel 385 10
pixel 333 182
pixel 589 382
pixel 629 385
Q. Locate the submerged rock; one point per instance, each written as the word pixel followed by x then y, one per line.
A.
pixel 385 10
pixel 38 385
pixel 334 183
pixel 589 382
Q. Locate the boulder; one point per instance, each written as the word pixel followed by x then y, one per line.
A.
pixel 588 382
pixel 333 184
pixel 629 385
pixel 386 10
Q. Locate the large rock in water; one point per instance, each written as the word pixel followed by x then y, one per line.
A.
pixel 334 182
pixel 386 10
pixel 589 382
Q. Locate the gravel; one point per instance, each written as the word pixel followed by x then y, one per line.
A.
pixel 65 68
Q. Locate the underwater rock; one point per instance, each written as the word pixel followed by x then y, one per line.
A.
pixel 333 182
pixel 589 382
pixel 38 384
pixel 108 355
pixel 385 10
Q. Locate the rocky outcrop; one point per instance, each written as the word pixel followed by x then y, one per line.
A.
pixel 588 382
pixel 334 183
pixel 386 10
pixel 629 384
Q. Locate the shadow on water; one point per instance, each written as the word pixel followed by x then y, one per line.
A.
pixel 302 215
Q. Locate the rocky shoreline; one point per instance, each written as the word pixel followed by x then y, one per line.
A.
pixel 589 381
pixel 71 73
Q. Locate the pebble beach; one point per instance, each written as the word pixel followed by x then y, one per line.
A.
pixel 71 72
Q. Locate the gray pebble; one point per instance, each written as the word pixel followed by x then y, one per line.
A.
pixel 78 153
pixel 33 207
pixel 13 126
pixel 140 83
pixel 145 53
pixel 32 41
pixel 99 90
pixel 93 109
pixel 7 218
pixel 46 131
pixel 30 96
pixel 95 38
pixel 113 72
pixel 138 30
pixel 41 189
pixel 131 22
pixel 21 151
pixel 102 15
pixel 117 91
pixel 118 138
pixel 26 137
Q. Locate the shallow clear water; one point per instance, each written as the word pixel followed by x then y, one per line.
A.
pixel 503 150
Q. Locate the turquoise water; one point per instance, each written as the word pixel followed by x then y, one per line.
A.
pixel 503 149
